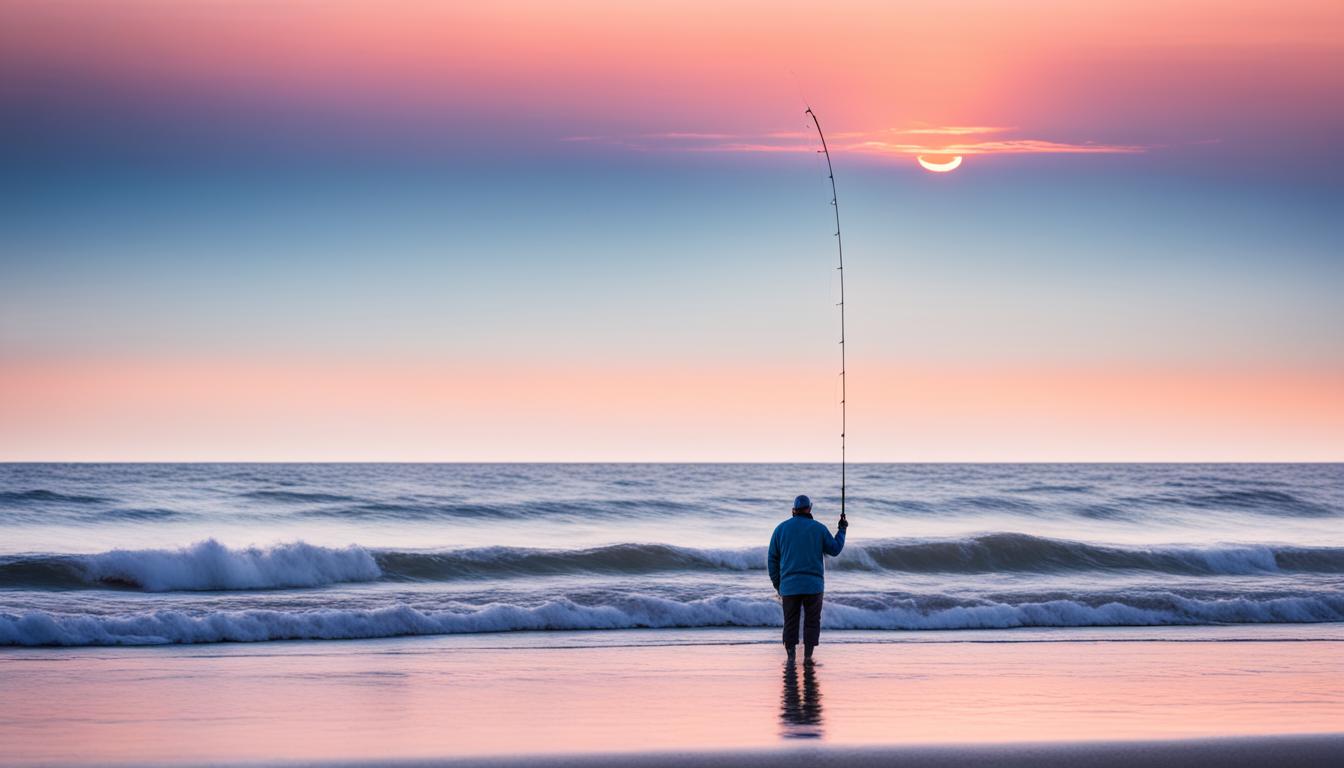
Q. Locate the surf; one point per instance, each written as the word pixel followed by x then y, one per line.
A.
pixel 211 566
pixel 42 628
pixel 203 566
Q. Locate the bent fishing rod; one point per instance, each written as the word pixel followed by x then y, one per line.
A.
pixel 840 252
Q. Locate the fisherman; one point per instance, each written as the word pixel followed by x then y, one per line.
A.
pixel 798 571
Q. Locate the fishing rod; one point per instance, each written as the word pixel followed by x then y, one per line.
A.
pixel 840 252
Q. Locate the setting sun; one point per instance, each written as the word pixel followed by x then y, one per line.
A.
pixel 939 166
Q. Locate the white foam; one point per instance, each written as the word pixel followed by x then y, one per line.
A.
pixel 208 565
pixel 160 627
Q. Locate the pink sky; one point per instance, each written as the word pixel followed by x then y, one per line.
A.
pixel 1055 66
pixel 171 410
pixel 1202 100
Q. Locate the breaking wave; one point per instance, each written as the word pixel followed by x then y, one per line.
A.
pixel 205 565
pixel 986 553
pixel 209 565
pixel 1021 552
pixel 40 628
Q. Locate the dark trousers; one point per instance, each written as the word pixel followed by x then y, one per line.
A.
pixel 810 607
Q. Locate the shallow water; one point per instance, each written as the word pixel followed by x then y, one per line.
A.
pixel 659 690
pixel 165 553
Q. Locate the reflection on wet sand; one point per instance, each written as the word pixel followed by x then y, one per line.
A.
pixel 800 713
pixel 506 697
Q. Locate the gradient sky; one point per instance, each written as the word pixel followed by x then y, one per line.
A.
pixel 398 230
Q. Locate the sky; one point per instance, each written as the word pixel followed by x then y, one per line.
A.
pixel 600 231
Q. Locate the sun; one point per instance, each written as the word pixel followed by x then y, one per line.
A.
pixel 940 166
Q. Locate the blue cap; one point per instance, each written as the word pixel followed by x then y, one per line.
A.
pixel 802 502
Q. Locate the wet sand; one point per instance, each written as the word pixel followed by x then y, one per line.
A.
pixel 688 698
pixel 1288 751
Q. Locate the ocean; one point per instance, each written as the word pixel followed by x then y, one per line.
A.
pixel 147 554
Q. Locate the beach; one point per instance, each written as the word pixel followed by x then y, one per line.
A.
pixel 674 697
pixel 622 614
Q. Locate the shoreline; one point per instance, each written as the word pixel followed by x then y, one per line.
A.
pixel 691 698
pixel 518 639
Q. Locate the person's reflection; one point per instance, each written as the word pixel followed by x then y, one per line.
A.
pixel 800 714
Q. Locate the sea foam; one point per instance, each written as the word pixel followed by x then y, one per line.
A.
pixel 36 628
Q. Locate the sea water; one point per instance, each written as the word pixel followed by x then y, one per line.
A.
pixel 136 554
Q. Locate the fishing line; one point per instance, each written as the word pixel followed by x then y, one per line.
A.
pixel 840 269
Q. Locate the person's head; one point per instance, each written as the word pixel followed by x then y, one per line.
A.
pixel 802 505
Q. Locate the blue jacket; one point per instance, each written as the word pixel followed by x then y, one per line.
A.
pixel 796 550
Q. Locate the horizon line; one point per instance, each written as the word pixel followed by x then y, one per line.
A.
pixel 920 462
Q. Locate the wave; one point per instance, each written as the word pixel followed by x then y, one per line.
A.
pixel 416 508
pixel 205 565
pixel 1051 488
pixel 993 503
pixel 997 552
pixel 987 553
pixel 40 628
pixel 41 495
pixel 209 565
pixel 1261 501
pixel 297 496
pixel 489 562
pixel 1027 501
pixel 141 513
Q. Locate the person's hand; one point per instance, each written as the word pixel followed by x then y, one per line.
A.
pixel 843 522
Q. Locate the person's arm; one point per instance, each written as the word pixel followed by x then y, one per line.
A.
pixel 832 545
pixel 774 559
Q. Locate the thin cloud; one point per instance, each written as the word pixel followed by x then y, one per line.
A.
pixel 1003 147
pixel 877 143
pixel 952 130
pixel 691 136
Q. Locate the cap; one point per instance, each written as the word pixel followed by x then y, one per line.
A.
pixel 802 502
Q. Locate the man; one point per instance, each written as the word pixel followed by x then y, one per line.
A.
pixel 798 571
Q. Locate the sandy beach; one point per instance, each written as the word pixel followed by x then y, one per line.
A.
pixel 1167 696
